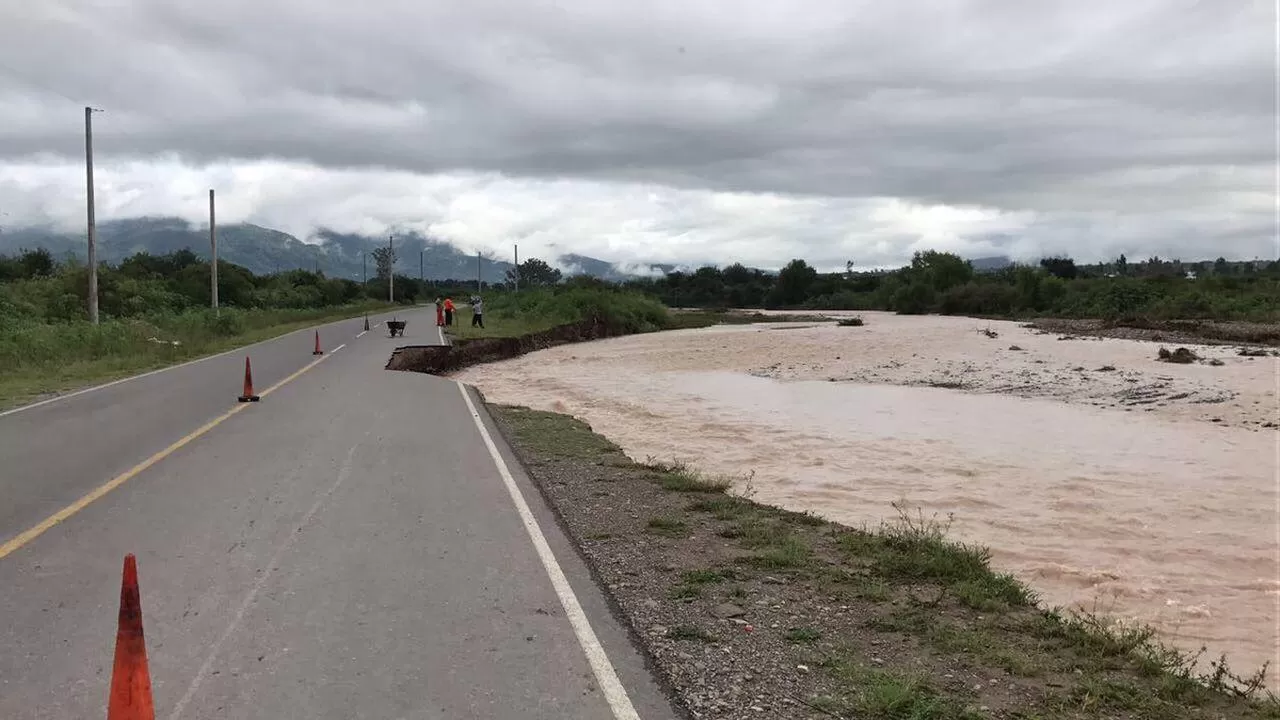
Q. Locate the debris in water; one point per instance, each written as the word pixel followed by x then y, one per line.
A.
pixel 1181 356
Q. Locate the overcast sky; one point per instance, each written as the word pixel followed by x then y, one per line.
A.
pixel 665 130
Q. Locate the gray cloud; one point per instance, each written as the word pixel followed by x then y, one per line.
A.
pixel 1098 125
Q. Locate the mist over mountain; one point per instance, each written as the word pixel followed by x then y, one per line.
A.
pixel 263 250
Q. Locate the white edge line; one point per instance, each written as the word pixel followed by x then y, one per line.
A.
pixel 157 371
pixel 441 331
pixel 615 694
pixel 361 334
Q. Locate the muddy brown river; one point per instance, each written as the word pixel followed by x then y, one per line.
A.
pixel 1108 481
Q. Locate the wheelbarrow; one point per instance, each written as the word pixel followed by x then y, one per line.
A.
pixel 397 327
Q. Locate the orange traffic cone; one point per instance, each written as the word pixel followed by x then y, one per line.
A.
pixel 248 395
pixel 317 351
pixel 130 679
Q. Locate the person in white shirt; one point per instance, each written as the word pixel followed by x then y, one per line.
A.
pixel 477 312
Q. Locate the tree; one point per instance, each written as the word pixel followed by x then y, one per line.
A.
pixel 37 263
pixel 1060 267
pixel 1122 265
pixel 534 273
pixel 1220 266
pixel 794 281
pixel 384 258
pixel 736 274
pixel 940 271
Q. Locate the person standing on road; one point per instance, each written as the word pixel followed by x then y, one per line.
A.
pixel 448 311
pixel 439 312
pixel 477 312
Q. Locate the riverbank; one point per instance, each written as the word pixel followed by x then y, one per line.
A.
pixel 1207 332
pixel 41 360
pixel 537 320
pixel 752 611
pixel 1109 480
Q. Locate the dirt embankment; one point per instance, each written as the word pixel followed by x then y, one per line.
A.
pixel 437 360
pixel 1203 332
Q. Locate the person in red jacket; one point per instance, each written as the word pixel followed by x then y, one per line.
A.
pixel 439 313
pixel 448 311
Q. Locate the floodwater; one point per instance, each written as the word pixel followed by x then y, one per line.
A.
pixel 1144 492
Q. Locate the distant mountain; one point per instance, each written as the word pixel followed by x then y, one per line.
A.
pixel 575 264
pixel 263 250
pixel 991 264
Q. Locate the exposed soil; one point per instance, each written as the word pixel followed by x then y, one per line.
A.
pixel 753 612
pixel 436 359
pixel 1196 332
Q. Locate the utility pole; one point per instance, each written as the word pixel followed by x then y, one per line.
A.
pixel 517 247
pixel 479 287
pixel 213 253
pixel 391 270
pixel 422 269
pixel 93 239
pixel 364 268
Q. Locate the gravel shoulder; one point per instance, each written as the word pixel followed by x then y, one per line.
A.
pixel 752 612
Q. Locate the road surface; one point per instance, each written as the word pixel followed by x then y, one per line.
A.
pixel 347 547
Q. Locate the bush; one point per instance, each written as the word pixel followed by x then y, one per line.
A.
pixel 916 298
pixel 565 304
pixel 979 299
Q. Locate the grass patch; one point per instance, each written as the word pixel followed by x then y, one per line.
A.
pixel 1099 645
pixel 512 314
pixel 557 435
pixel 776 544
pixel 721 507
pixel 685 591
pixel 667 526
pixel 691 632
pixel 792 552
pixel 39 358
pixel 895 695
pixel 860 586
pixel 915 550
pixel 679 478
pixel 801 636
pixel 990 647
pixel 705 577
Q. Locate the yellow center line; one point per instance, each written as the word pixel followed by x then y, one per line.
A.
pixel 48 523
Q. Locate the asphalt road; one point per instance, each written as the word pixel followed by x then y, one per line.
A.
pixel 347 547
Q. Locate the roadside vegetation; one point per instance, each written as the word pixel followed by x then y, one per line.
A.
pixel 748 609
pixel 531 310
pixel 153 311
pixel 536 309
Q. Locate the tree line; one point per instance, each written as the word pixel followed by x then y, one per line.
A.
pixel 36 287
pixel 939 282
